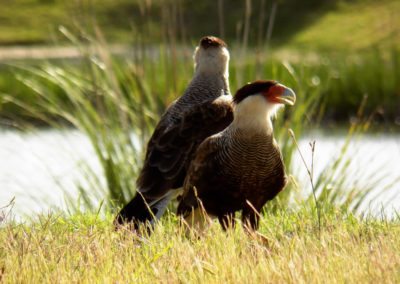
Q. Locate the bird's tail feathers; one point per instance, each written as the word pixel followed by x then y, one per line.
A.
pixel 142 210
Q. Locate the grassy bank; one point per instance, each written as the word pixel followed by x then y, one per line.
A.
pixel 311 24
pixel 85 248
pixel 44 17
pixel 352 25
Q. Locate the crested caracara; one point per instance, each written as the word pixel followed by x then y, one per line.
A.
pixel 204 109
pixel 241 167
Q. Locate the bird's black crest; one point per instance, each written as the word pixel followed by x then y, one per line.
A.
pixel 253 88
pixel 212 41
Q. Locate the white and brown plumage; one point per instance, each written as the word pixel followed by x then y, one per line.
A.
pixel 203 110
pixel 240 168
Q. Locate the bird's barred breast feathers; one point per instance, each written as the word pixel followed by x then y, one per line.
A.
pixel 241 165
pixel 245 154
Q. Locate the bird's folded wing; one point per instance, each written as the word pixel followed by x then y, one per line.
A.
pixel 202 169
pixel 171 147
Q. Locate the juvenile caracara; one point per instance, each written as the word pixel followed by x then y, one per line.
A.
pixel 204 109
pixel 240 168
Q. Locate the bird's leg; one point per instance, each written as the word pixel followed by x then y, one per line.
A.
pixel 198 219
pixel 227 221
pixel 250 218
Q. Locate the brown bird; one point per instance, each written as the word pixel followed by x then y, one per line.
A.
pixel 204 109
pixel 240 168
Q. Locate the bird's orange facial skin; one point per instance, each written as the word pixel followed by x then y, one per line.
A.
pixel 279 94
pixel 274 92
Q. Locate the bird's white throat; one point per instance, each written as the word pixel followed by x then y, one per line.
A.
pixel 255 114
pixel 211 61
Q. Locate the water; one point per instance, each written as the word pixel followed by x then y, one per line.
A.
pixel 373 159
pixel 38 168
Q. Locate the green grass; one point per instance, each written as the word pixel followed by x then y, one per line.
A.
pixel 352 26
pixel 309 24
pixel 37 21
pixel 85 248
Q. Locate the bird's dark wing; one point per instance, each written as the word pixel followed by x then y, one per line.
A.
pixel 203 173
pixel 171 147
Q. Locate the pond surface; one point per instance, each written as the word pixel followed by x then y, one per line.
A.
pixel 39 168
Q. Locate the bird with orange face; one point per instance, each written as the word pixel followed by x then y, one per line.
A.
pixel 241 167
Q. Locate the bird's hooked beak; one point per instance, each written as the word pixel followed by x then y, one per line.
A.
pixel 281 94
